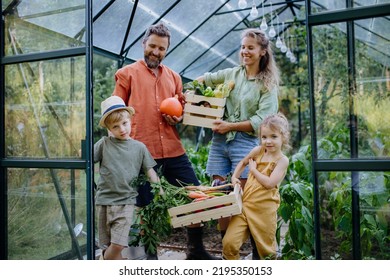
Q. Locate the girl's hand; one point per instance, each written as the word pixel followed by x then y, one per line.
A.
pixel 235 180
pixel 252 165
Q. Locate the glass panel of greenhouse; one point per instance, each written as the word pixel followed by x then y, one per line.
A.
pixel 44 113
pixel 337 214
pixel 58 63
pixel 44 207
pixel 40 27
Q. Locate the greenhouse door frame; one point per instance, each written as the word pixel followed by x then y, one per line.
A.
pixel 355 164
pixel 84 163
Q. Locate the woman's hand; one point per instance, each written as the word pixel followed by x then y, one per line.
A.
pixel 221 127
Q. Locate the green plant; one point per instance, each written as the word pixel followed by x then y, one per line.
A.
pixel 220 91
pixel 374 213
pixel 33 231
pixel 296 208
pixel 335 193
pixel 153 221
pixel 198 159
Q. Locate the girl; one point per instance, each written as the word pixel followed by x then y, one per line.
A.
pixel 260 200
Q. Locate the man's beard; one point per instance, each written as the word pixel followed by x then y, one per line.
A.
pixel 152 63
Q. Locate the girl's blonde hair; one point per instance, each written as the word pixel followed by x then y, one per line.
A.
pixel 278 122
pixel 117 116
pixel 269 72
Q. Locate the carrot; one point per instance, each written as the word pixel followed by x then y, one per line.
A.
pixel 210 189
pixel 202 198
pixel 196 194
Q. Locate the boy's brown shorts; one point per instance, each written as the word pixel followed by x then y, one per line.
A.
pixel 114 224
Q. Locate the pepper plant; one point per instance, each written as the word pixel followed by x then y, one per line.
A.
pixel 296 208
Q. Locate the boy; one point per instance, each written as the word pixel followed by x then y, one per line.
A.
pixel 121 159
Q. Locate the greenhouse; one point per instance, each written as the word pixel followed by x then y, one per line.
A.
pixel 58 62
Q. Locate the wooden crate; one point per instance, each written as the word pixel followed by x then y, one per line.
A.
pixel 206 210
pixel 196 115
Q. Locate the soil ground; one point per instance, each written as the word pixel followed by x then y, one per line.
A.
pixel 175 246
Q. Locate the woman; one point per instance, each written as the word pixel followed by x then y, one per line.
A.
pixel 254 97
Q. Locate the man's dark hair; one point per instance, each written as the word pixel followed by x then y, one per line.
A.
pixel 159 29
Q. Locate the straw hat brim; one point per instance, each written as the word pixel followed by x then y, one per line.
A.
pixel 114 108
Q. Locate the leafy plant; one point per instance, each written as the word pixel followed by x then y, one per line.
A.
pixel 153 221
pixel 196 86
pixel 296 208
pixel 220 91
pixel 373 198
pixel 198 159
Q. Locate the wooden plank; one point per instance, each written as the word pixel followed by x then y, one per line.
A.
pixel 207 203
pixel 205 216
pixel 212 112
pixel 194 98
pixel 202 116
pixel 205 210
pixel 198 121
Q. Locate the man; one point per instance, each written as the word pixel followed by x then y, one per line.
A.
pixel 144 85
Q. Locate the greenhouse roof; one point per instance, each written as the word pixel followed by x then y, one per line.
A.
pixel 205 33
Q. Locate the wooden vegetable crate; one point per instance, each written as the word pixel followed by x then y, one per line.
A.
pixel 197 115
pixel 206 210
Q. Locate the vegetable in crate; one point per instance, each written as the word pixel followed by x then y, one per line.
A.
pixel 220 91
pixel 223 90
pixel 195 86
pixel 225 188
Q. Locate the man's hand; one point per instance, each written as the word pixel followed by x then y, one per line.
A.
pixel 172 120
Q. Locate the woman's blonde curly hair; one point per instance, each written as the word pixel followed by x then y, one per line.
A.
pixel 269 72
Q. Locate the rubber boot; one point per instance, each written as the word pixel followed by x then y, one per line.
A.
pixel 195 248
pixel 150 256
pixel 255 254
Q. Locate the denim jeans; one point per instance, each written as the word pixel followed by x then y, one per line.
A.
pixel 224 157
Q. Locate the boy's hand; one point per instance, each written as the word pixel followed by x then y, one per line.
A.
pixel 161 192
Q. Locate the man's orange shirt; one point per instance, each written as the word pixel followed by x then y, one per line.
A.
pixel 137 85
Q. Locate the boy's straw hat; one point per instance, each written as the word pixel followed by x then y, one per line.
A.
pixel 111 104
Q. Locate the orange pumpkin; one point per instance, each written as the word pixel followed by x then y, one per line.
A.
pixel 171 106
